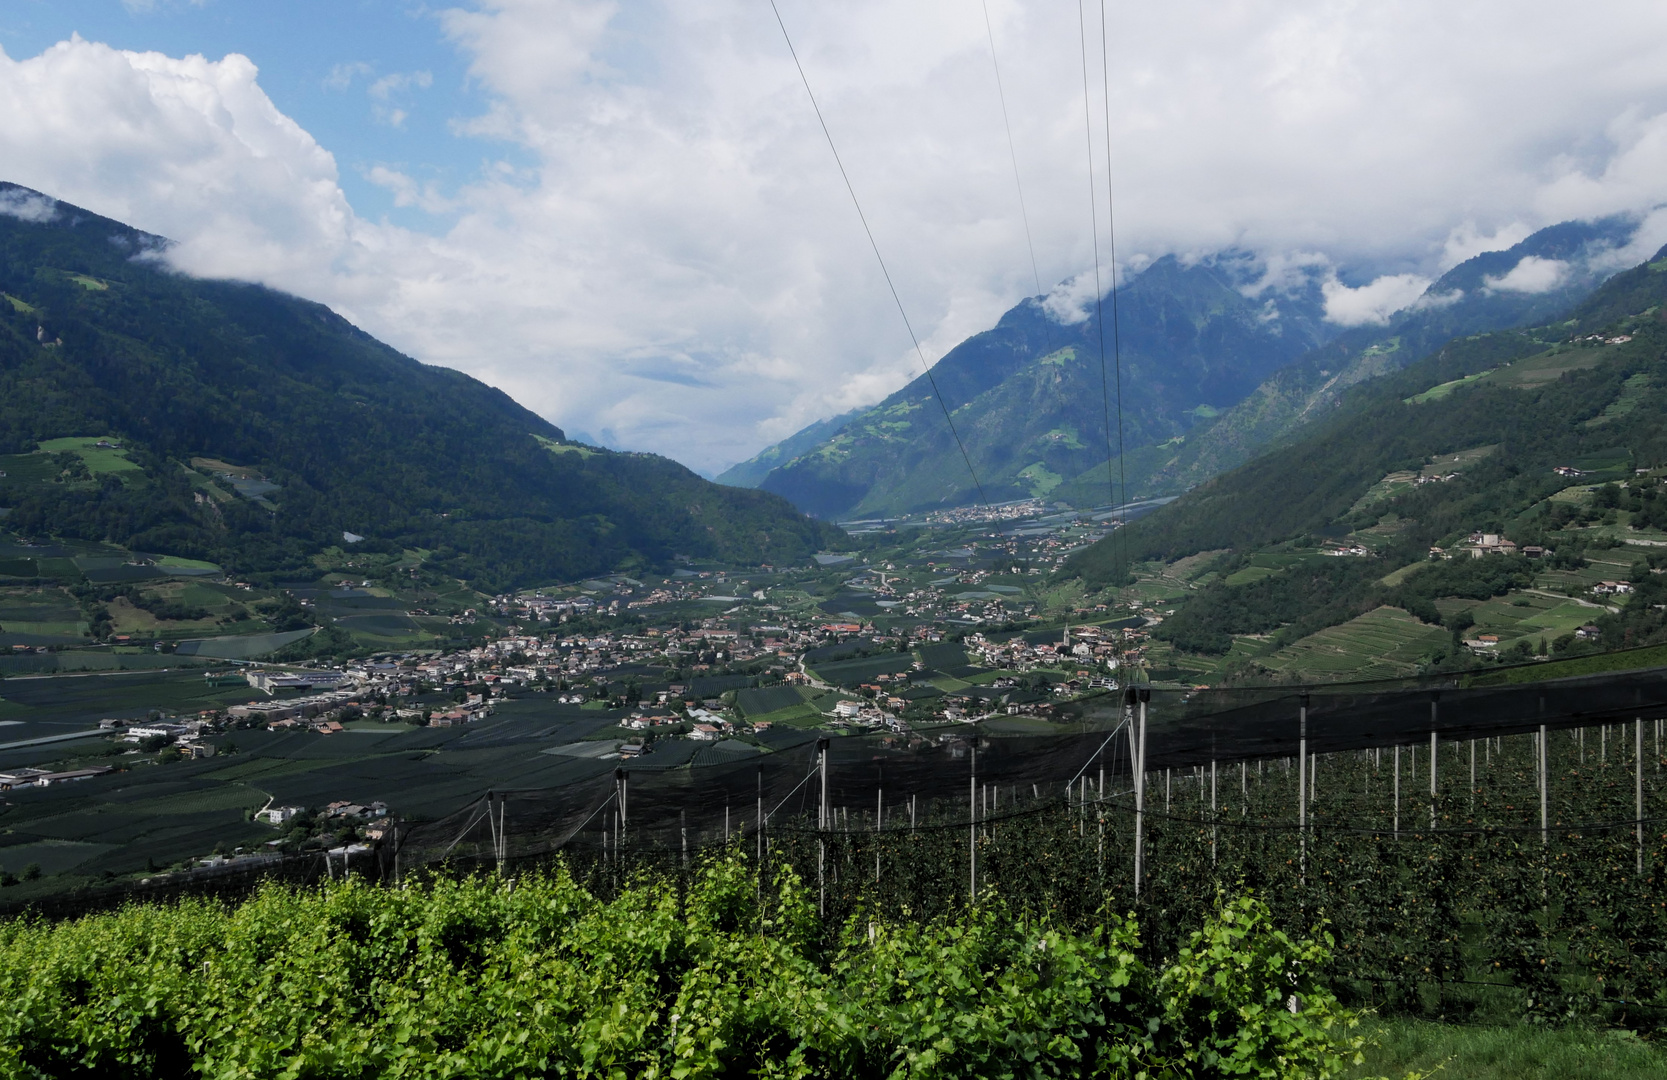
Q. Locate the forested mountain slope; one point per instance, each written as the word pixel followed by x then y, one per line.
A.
pixel 1549 437
pixel 1218 364
pixel 265 427
pixel 1028 400
pixel 1554 269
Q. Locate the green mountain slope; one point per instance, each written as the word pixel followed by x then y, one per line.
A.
pixel 1463 301
pixel 1477 438
pixel 751 473
pixel 1029 403
pixel 258 428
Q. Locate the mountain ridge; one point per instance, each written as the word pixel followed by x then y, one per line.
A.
pixel 1034 395
pixel 1202 390
pixel 99 338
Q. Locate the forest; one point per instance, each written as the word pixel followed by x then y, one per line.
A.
pixel 304 428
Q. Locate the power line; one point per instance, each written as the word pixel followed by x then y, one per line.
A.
pixel 1121 497
pixel 1012 152
pixel 1050 336
pixel 877 256
pixel 1094 223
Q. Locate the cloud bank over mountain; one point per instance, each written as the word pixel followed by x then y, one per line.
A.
pixel 657 246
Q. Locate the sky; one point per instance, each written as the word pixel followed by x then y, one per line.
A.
pixel 628 217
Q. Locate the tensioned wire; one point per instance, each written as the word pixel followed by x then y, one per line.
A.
pixel 1121 496
pixel 898 300
pixel 1094 226
pixel 1012 151
pixel 1051 339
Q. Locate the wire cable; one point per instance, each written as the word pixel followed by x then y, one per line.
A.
pixel 1120 497
pixel 898 300
pixel 1094 224
pixel 1012 151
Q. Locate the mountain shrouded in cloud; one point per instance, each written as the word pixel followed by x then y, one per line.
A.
pixel 656 237
pixel 1218 362
pixel 333 436
pixel 1030 398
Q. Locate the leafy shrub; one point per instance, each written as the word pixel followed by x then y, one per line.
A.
pixel 538 977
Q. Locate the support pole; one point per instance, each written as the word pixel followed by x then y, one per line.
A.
pixel 821 828
pixel 1638 786
pixel 1137 698
pixel 759 831
pixel 1545 792
pixel 1397 792
pixel 1433 755
pixel 1473 775
pixel 1302 787
pixel 1214 828
pixel 972 830
pixel 683 830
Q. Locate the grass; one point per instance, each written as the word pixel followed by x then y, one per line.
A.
pixel 1622 660
pixel 1436 393
pixel 1522 1052
pixel 98 460
pixel 1383 643
pixel 1545 368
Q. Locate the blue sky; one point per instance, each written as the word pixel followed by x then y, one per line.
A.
pixel 319 61
pixel 624 214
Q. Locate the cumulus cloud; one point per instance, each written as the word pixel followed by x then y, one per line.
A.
pixel 669 240
pixel 1531 274
pixel 1373 303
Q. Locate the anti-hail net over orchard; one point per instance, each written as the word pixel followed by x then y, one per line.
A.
pixel 869 783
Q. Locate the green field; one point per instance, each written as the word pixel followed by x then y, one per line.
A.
pixel 1383 643
pixel 1419 1048
pixel 759 702
pixel 1546 367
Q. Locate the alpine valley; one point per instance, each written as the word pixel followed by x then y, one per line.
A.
pixel 1219 359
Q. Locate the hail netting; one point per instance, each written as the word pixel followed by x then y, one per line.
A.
pixel 947 778
pixel 891 781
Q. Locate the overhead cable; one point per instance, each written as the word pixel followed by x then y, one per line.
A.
pixel 1012 151
pixel 898 300
pixel 1121 495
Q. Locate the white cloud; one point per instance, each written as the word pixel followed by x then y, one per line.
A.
pixel 1466 241
pixel 1373 303
pixel 408 192
pixel 1072 300
pixel 342 75
pixel 27 207
pixel 1531 274
pixel 673 258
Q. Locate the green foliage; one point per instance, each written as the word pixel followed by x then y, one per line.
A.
pixel 1243 999
pixel 540 977
pixel 1308 596
pixel 1523 420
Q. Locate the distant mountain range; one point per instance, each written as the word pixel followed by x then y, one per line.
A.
pixel 1490 433
pixel 257 429
pixel 1216 366
pixel 1030 398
